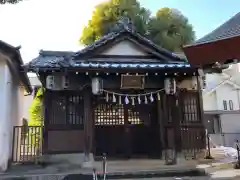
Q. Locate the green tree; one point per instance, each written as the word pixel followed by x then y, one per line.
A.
pixel 9 1
pixel 36 109
pixel 108 13
pixel 36 119
pixel 168 28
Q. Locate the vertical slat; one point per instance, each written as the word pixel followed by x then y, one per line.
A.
pixel 25 150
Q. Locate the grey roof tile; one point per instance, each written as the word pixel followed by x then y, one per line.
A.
pixel 229 29
pixel 48 59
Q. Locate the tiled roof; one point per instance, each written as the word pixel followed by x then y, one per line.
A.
pixel 229 29
pixel 18 62
pixel 55 59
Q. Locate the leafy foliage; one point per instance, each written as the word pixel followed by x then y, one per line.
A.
pixel 108 13
pixel 168 28
pixel 9 1
pixel 36 109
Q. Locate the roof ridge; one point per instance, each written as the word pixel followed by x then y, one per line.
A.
pixel 55 53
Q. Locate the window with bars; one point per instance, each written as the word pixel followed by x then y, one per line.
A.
pixel 67 110
pixel 230 104
pixel 190 108
pixel 225 105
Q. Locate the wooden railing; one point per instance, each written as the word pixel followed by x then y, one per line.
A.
pixel 27 144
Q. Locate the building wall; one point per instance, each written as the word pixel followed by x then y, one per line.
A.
pixel 229 120
pixel 228 93
pixel 10 112
pixel 210 102
pixel 214 101
pixel 231 131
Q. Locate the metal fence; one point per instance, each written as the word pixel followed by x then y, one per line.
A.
pixel 27 144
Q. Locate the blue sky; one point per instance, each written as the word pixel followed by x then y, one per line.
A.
pixel 57 24
pixel 204 15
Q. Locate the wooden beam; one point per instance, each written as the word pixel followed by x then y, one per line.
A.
pixel 88 120
pixel 161 124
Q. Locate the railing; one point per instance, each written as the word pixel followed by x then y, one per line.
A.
pixel 27 144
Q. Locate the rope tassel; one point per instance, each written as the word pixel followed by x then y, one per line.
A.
pixel 130 98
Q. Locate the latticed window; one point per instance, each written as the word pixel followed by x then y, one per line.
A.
pixel 190 107
pixel 67 110
pixel 109 114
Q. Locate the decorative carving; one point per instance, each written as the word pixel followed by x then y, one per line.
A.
pixel 124 23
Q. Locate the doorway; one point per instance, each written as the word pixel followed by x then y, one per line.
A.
pixel 126 131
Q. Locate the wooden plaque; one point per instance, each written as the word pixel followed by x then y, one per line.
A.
pixel 132 82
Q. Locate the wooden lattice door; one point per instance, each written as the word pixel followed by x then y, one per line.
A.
pixel 125 130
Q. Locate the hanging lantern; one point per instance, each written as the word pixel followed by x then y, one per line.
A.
pixel 96 86
pixel 194 82
pixel 167 85
pixel 170 85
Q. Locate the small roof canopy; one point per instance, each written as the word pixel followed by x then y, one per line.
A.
pixel 221 45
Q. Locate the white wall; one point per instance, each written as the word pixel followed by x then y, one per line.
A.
pixel 210 102
pixel 10 112
pixel 214 100
pixel 227 92
pixel 125 47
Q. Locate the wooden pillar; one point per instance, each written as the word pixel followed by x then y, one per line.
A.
pixel 161 124
pixel 88 122
pixel 200 100
pixel 46 103
pixel 176 114
pixel 201 111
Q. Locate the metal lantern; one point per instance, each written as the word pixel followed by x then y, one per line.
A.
pixel 170 85
pixel 96 85
pixel 194 82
